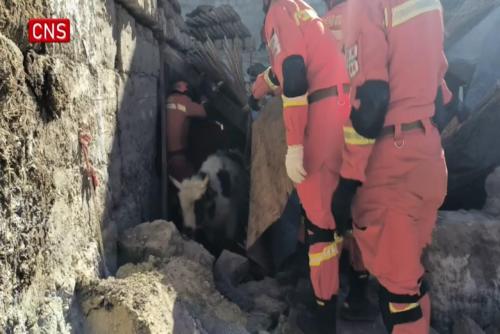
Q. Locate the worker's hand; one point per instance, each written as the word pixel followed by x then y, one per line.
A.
pixel 295 163
pixel 253 103
pixel 341 204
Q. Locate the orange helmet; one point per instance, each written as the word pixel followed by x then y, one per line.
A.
pixel 181 86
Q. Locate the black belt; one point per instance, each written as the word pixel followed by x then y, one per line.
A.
pixel 322 94
pixel 391 129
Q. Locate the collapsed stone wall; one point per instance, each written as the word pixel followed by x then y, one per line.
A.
pixel 105 82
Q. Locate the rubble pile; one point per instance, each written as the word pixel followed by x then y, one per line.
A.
pixel 170 289
pixel 464 278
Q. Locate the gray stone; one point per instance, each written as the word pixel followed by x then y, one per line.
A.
pixel 492 205
pixel 159 238
pixel 270 306
pixel 195 252
pixel 259 320
pixel 267 286
pixel 465 325
pixel 229 270
pixel 464 276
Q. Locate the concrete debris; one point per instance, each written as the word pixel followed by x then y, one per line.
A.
pixel 160 239
pixel 177 275
pixel 465 325
pixel 492 206
pixel 231 269
pixel 464 278
pixel 494 328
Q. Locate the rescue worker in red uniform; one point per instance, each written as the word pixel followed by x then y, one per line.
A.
pixel 180 109
pixel 394 177
pixel 305 61
pixel 356 306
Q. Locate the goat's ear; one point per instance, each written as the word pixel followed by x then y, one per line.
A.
pixel 176 183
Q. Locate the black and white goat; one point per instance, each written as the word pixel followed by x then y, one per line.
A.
pixel 214 202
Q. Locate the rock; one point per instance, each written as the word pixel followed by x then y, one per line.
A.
pixel 130 269
pixel 234 266
pixel 270 306
pixel 463 277
pixel 466 325
pixel 195 252
pixel 494 328
pixel 229 270
pixel 268 286
pixel 194 286
pixel 137 304
pixel 258 321
pixel 159 238
pixel 162 240
pixel 174 297
pixel 493 190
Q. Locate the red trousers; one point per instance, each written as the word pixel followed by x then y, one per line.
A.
pixel 395 212
pixel 323 146
pixel 315 194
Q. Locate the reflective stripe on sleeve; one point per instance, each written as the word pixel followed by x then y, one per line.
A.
pixel 176 106
pixel 305 15
pixel 411 9
pixel 351 137
pixel 298 101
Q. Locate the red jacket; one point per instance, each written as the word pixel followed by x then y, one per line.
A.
pixel 293 28
pixel 180 108
pixel 334 22
pixel 400 42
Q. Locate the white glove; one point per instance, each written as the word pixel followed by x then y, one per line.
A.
pixel 295 163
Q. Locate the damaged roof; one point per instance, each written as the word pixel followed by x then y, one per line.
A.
pixel 216 23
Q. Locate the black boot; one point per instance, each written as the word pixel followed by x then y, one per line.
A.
pixel 356 306
pixel 324 321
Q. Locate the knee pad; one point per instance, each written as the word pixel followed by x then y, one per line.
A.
pixel 315 235
pixel 391 316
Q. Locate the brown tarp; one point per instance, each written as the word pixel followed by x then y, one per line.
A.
pixel 270 185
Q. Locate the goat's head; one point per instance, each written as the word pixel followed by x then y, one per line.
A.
pixel 190 191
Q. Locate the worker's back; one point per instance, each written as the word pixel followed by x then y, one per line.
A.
pixel 406 49
pixel 180 108
pixel 333 20
pixel 296 20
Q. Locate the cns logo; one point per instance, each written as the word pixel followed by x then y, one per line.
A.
pixel 49 30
